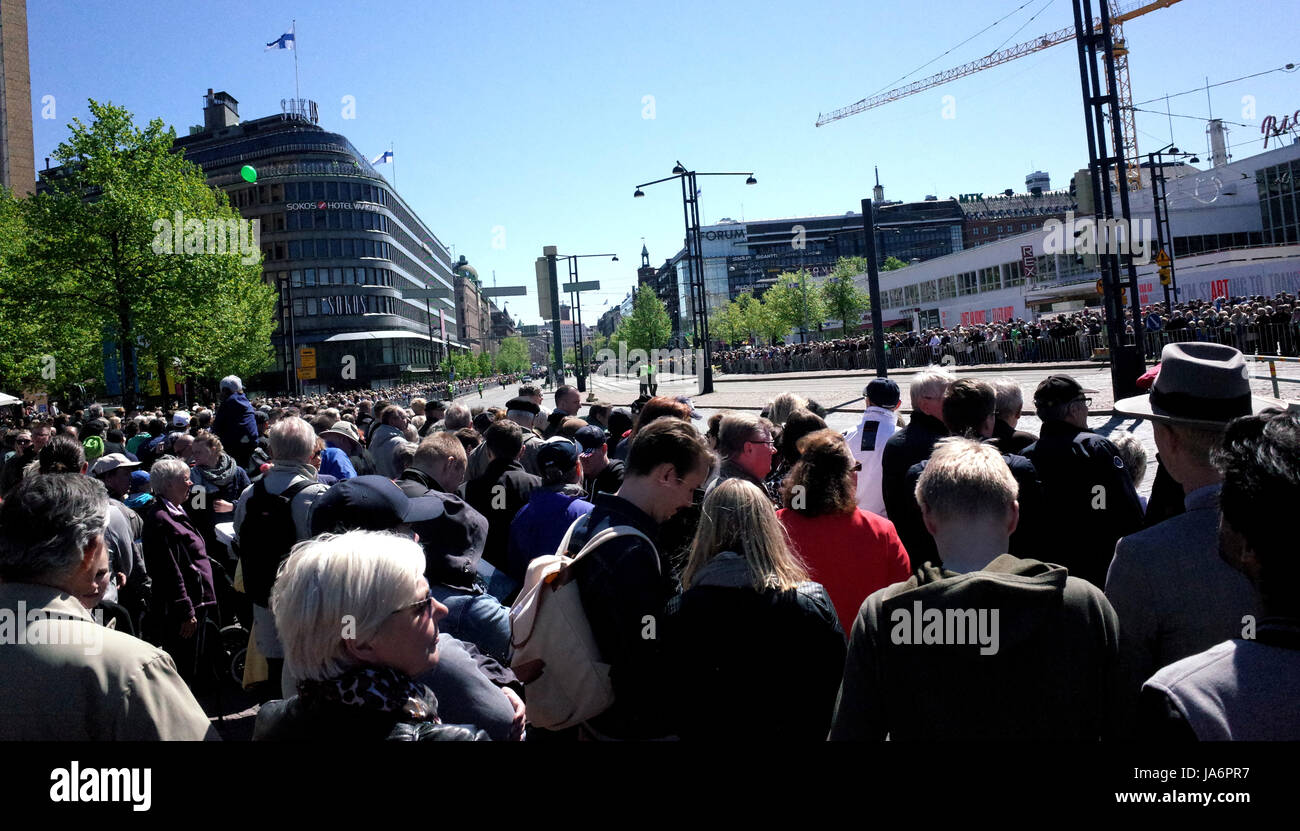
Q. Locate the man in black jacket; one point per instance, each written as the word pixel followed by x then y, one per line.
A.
pixel 1010 404
pixel 503 488
pixel 626 583
pixel 1088 494
pixel 908 446
pixel 968 410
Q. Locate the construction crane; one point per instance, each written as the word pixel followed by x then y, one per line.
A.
pixel 1128 126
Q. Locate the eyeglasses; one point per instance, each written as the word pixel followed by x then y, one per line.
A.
pixel 1085 399
pixel 23 441
pixel 768 442
pixel 422 607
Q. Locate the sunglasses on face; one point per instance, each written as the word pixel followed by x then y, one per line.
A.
pixel 857 467
pixel 420 607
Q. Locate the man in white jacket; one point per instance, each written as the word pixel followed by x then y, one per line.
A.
pixel 867 440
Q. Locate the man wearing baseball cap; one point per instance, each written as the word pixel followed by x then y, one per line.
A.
pixel 867 440
pixel 1174 594
pixel 539 526
pixel 600 474
pixel 1088 495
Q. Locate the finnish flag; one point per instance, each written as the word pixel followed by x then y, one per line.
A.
pixel 383 158
pixel 284 41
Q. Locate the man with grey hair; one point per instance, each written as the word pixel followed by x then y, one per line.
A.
pixel 1006 625
pixel 746 446
pixel 235 424
pixel 279 508
pixel 1010 404
pixel 457 417
pixel 913 443
pixel 68 678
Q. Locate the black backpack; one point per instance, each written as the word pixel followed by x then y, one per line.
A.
pixel 265 537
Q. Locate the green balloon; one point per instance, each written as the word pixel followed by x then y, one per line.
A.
pixel 249 173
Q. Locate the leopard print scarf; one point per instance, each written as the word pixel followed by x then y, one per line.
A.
pixel 381 689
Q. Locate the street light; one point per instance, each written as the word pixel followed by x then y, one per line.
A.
pixel 1159 198
pixel 575 289
pixel 695 256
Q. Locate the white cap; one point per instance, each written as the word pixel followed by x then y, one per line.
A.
pixel 232 383
pixel 181 418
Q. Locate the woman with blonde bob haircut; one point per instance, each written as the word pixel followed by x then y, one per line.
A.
pixel 359 626
pixel 746 602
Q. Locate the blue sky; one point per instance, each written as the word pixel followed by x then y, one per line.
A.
pixel 518 125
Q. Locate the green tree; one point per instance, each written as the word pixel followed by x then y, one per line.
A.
pixel 648 327
pixel 794 302
pixel 892 264
pixel 100 257
pixel 512 356
pixel 724 324
pixel 841 296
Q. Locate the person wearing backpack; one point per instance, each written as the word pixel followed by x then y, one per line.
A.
pixel 625 583
pixel 272 515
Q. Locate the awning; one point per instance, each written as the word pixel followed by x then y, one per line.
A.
pixel 378 334
pixel 6 399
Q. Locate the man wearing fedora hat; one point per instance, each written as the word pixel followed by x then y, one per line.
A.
pixel 1174 594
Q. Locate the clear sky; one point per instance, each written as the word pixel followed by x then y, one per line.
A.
pixel 522 124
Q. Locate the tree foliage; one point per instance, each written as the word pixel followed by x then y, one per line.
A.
pixel 892 264
pixel 95 262
pixel 794 302
pixel 512 356
pixel 841 296
pixel 648 327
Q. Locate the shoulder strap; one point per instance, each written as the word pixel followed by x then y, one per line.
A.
pixel 293 490
pixel 611 533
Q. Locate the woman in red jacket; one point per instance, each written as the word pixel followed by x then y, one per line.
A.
pixel 848 550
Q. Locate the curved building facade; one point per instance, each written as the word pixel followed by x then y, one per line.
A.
pixel 340 246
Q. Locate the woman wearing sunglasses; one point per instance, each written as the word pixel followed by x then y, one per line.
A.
pixel 358 624
pixel 848 550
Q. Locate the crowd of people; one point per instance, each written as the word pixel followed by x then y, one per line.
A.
pixel 1250 324
pixel 424 569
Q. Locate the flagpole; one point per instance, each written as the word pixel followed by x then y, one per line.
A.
pixel 293 27
pixel 393 162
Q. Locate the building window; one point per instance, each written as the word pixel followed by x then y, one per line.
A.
pixel 928 291
pixel 309 276
pixel 989 279
pixel 966 283
pixel 1013 274
pixel 297 308
pixel 295 249
pixel 947 287
pixel 312 307
pixel 297 278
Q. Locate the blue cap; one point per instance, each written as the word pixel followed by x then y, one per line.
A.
pixel 557 453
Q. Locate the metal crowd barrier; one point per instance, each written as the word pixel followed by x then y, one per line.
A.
pixel 1283 338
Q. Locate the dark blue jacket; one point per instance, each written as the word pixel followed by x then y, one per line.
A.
pixel 236 426
pixel 539 526
pixel 1089 499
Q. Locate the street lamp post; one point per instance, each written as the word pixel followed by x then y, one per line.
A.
pixel 575 289
pixel 695 256
pixel 1159 200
